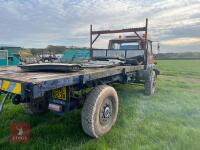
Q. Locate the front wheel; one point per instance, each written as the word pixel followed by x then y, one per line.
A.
pixel 150 84
pixel 100 111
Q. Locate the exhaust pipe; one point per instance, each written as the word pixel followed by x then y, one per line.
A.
pixel 55 107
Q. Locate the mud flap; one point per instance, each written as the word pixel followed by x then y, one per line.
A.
pixel 157 72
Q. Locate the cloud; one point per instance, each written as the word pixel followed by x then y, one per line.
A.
pixel 181 41
pixel 37 23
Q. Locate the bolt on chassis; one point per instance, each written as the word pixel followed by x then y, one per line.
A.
pixel 40 91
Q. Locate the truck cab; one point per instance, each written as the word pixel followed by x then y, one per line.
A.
pixel 134 50
pixel 136 45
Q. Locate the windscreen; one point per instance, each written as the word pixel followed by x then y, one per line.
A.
pixel 130 45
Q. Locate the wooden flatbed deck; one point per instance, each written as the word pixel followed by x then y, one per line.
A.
pixel 16 74
pixel 40 82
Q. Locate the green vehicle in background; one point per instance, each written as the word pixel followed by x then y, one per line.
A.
pixel 75 55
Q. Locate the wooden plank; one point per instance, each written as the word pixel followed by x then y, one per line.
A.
pixel 16 74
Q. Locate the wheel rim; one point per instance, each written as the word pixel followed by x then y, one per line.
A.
pixel 106 112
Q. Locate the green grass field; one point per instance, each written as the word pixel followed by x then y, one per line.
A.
pixel 169 120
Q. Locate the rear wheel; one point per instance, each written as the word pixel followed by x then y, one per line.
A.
pixel 36 106
pixel 100 111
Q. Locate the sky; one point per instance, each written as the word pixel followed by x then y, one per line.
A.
pixel 38 23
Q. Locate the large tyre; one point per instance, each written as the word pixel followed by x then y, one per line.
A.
pixel 100 111
pixel 36 106
pixel 150 84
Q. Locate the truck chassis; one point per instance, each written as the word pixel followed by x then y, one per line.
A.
pixel 57 91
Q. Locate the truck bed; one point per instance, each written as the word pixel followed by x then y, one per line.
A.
pixel 37 83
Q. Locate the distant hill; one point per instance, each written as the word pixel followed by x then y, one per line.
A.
pixel 186 55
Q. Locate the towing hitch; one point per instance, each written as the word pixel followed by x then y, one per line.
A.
pixel 5 97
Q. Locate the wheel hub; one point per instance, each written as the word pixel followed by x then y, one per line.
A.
pixel 106 112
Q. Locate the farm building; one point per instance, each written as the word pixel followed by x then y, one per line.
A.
pixel 7 55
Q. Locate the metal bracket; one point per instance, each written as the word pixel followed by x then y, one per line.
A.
pixel 3 101
pixel 96 38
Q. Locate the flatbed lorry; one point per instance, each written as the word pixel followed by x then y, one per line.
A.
pixel 60 91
